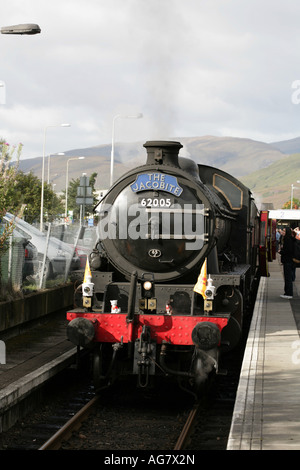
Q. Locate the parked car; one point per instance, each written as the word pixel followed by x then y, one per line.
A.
pixel 31 263
pixel 86 244
pixel 59 254
pixel 24 255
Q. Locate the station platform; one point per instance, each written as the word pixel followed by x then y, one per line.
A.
pixel 31 358
pixel 267 408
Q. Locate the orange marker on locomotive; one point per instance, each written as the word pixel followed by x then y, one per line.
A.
pixel 166 286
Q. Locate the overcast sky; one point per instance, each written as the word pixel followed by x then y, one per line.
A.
pixel 193 68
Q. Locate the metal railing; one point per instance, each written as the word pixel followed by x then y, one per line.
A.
pixel 43 259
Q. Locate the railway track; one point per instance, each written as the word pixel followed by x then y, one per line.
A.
pixel 109 423
pixel 74 424
pixel 124 422
pixel 187 428
pixel 127 419
pixel 178 429
pixel 64 433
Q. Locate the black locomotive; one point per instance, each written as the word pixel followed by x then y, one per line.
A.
pixel 166 285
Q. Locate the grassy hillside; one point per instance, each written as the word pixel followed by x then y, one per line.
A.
pixel 237 156
pixel 272 171
pixel 273 184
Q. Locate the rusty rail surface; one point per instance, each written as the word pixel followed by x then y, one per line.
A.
pixel 63 434
pixel 187 428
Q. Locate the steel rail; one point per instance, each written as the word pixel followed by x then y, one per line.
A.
pixel 186 430
pixel 64 433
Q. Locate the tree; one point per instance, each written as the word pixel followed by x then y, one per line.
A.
pixel 296 204
pixel 20 191
pixel 8 171
pixel 20 194
pixel 8 174
pixel 28 189
pixel 26 192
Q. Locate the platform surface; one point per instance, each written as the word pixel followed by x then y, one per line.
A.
pixel 32 358
pixel 267 409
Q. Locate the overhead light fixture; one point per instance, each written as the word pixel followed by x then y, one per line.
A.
pixel 28 28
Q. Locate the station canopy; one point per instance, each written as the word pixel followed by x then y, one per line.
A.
pixel 285 214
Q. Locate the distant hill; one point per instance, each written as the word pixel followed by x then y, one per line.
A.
pixel 273 184
pixel 288 146
pixel 237 156
pixel 97 160
pixel 268 170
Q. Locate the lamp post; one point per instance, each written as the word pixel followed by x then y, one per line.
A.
pixel 60 153
pixel 67 177
pixel 43 172
pixel 112 157
pixel 292 193
pixel 28 28
pixel 2 85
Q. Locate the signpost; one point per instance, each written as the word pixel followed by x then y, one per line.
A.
pixel 84 194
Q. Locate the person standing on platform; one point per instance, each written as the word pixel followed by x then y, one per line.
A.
pixel 278 236
pixel 287 254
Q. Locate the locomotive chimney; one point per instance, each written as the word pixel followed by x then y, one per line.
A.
pixel 162 152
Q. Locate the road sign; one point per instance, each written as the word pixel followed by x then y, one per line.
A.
pixel 84 192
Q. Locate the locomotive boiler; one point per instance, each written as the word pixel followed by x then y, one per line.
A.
pixel 165 287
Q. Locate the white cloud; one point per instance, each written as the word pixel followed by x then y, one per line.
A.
pixel 192 68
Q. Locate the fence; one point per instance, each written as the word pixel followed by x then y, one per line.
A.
pixel 12 265
pixel 35 259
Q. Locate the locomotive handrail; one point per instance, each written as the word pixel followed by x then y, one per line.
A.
pixel 131 297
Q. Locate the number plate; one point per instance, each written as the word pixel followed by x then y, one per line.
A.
pixel 155 202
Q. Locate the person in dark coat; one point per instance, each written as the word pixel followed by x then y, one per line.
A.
pixel 287 254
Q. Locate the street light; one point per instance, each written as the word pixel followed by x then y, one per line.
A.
pixel 112 157
pixel 67 176
pixel 43 172
pixel 28 28
pixel 60 153
pixel 2 85
pixel 292 193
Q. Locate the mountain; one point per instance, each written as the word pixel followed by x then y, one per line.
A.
pixel 288 146
pixel 274 183
pixel 237 156
pixel 97 160
pixel 268 170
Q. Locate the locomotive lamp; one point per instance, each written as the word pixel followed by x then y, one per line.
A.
pixel 147 301
pixel 210 289
pixel 87 287
pixel 147 286
pixel 209 295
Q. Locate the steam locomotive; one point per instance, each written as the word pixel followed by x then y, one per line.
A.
pixel 165 288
